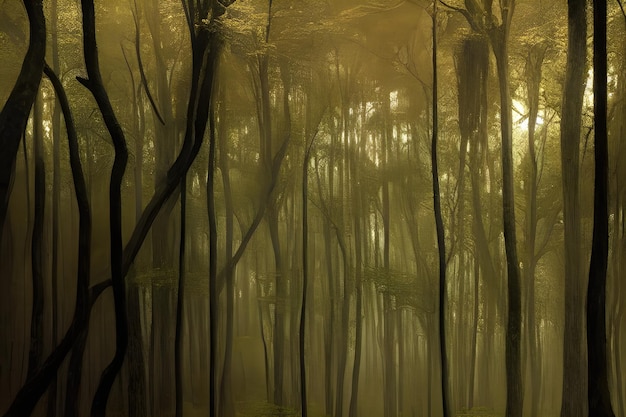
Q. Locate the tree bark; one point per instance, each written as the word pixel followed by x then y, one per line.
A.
pixel 178 355
pixel 499 37
pixel 16 110
pixel 37 242
pixel 598 391
pixel 534 61
pixel 573 402
pixel 96 86
pixel 35 386
pixel 441 245
pixel 56 198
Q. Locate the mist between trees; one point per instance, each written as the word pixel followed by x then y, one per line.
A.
pixel 312 208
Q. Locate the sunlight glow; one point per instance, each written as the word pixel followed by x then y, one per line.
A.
pixel 393 99
pixel 521 111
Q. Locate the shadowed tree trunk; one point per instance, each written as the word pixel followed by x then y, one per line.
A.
pixel 441 246
pixel 534 61
pixel 204 49
pixel 226 389
pixel 56 198
pixel 357 206
pixel 37 261
pixel 598 392
pixel 178 355
pixel 573 402
pixel 472 70
pixel 14 114
pixel 305 276
pixel 213 292
pixel 95 85
pixel 35 386
pixel 499 37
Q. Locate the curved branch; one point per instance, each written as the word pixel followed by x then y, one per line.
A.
pixel 142 72
pixel 16 110
pixel 465 13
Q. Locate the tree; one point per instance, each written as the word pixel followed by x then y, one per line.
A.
pixel 439 225
pixel 598 390
pixel 14 114
pixel 204 44
pixel 482 20
pixel 573 400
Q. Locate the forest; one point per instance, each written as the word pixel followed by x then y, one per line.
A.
pixel 350 208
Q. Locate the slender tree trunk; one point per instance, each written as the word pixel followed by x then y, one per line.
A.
pixel 178 355
pixel 213 292
pixel 96 86
pixel 342 341
pixel 56 198
pixel 439 226
pixel 226 389
pixel 390 391
pixel 499 37
pixel 534 62
pixel 35 386
pixel 358 285
pixel 37 260
pixel 598 395
pixel 136 365
pixel 329 324
pixel 203 44
pixel 305 278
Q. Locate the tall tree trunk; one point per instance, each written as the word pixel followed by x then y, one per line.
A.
pixel 35 386
pixel 37 260
pixel 357 202
pixel 203 44
pixel 95 84
pixel 598 394
pixel 226 389
pixel 389 393
pixel 213 292
pixel 178 355
pixel 165 225
pixel 573 402
pixel 472 73
pixel 534 61
pixel 56 198
pixel 305 277
pixel 499 37
pixel 441 246
pixel 135 364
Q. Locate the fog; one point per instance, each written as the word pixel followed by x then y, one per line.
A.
pixel 312 208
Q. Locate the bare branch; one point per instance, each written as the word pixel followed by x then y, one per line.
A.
pixel 142 72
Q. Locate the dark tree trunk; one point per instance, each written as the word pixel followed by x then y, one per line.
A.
pixel 37 261
pixel 95 84
pixel 178 355
pixel 534 61
pixel 357 204
pixel 35 386
pixel 203 43
pixel 305 278
pixel 213 291
pixel 14 114
pixel 598 395
pixel 499 37
pixel 574 380
pixel 441 245
pixel 56 198
pixel 226 389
